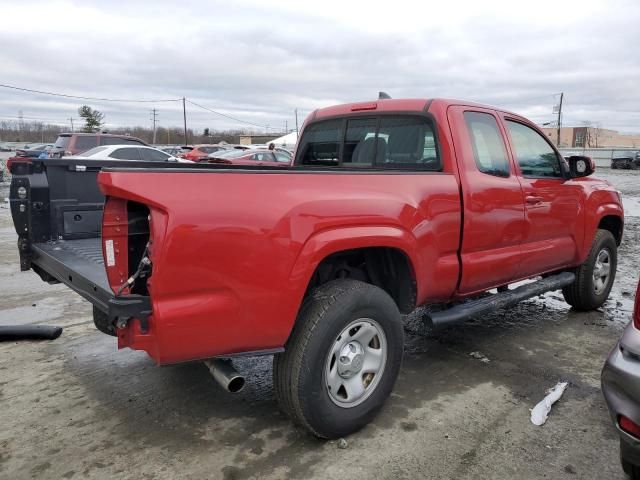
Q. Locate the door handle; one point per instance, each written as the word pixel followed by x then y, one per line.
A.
pixel 532 200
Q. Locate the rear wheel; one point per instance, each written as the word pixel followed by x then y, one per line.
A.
pixel 594 278
pixel 632 471
pixel 342 359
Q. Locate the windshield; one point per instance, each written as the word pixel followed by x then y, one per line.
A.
pixel 62 141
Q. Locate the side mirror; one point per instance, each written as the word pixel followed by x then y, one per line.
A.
pixel 580 166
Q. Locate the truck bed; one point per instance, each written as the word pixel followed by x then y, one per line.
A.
pixel 78 264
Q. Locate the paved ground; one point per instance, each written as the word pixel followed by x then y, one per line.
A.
pixel 78 408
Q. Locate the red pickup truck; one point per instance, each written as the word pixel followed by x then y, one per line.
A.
pixel 388 205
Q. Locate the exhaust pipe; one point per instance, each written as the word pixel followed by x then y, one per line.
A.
pixel 224 373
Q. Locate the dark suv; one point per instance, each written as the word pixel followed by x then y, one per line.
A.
pixel 626 160
pixel 75 143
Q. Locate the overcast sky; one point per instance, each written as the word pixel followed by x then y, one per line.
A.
pixel 260 60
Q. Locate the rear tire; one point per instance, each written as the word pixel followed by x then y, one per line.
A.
pixel 591 288
pixel 632 471
pixel 342 359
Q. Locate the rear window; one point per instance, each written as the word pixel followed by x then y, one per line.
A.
pixel 85 142
pixel 62 141
pixel 209 149
pixel 402 142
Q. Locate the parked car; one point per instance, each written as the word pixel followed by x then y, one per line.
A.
pixel 127 152
pixel 176 151
pixel 75 143
pixel 5 148
pixel 34 151
pixel 389 205
pixel 621 389
pixel 250 157
pixel 200 153
pixel 627 161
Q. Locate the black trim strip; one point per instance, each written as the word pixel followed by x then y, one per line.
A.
pixel 283 170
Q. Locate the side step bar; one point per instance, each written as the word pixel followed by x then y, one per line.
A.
pixel 464 311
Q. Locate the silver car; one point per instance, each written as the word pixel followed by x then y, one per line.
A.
pixel 621 389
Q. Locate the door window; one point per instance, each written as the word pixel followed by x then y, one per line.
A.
pixel 534 155
pixel 128 153
pixel 487 143
pixel 152 155
pixel 282 157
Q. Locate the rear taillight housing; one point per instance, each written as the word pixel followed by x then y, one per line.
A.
pixel 636 309
pixel 115 232
pixel 629 426
pixel 13 160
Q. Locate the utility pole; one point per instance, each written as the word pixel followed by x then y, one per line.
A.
pixel 71 120
pixel 154 116
pixel 559 118
pixel 296 121
pixel 286 127
pixel 184 113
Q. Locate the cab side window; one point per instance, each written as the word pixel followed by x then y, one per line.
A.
pixel 534 155
pixel 126 153
pixel 488 146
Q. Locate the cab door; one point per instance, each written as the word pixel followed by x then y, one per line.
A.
pixel 554 210
pixel 492 198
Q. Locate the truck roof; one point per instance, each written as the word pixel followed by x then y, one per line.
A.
pixel 396 105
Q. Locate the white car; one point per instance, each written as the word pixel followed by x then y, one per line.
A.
pixel 130 152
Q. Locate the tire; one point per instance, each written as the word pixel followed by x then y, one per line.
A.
pixel 631 470
pixel 586 293
pixel 324 349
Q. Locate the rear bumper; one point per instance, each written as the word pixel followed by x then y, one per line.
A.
pixel 621 390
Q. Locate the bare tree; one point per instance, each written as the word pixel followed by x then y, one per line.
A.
pixel 597 134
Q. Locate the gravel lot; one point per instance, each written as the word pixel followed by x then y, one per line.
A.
pixel 78 408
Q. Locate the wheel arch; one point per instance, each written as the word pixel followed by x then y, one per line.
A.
pixel 381 255
pixel 614 224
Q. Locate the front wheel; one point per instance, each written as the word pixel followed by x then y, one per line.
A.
pixel 342 359
pixel 594 278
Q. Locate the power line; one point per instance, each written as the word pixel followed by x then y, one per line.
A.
pixel 226 116
pixel 88 98
pixel 31 118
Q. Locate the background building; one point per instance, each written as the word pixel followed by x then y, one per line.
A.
pixel 591 137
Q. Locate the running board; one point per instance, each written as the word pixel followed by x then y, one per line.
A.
pixel 464 311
